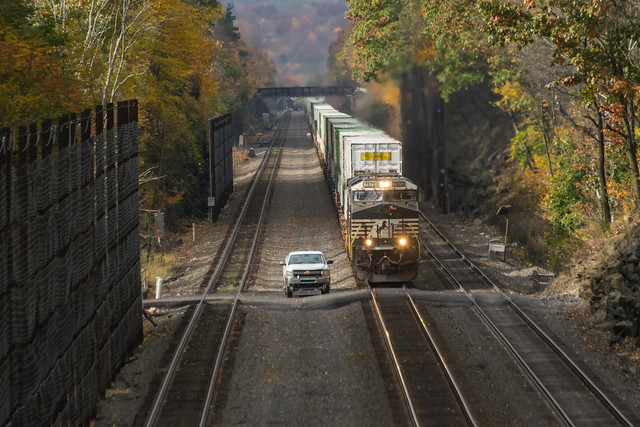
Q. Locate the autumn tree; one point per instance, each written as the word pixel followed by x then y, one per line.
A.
pixel 241 67
pixel 340 61
pixel 104 38
pixel 599 40
pixel 169 54
pixel 387 44
pixel 200 67
pixel 178 93
pixel 458 49
pixel 35 80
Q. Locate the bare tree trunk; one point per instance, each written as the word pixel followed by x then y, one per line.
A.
pixel 439 136
pixel 604 194
pixel 156 188
pixel 131 21
pixel 545 136
pixel 632 149
pixel 417 151
pixel 422 112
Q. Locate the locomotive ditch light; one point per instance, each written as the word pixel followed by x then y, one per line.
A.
pixel 368 242
pixel 403 241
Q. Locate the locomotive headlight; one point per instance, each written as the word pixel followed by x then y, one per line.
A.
pixel 368 242
pixel 403 241
pixel 384 184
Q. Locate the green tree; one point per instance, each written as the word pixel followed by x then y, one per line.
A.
pixel 387 44
pixel 241 67
pixel 381 35
pixel 452 29
pixel 35 81
pixel 599 40
pixel 340 61
pixel 178 93
pixel 567 195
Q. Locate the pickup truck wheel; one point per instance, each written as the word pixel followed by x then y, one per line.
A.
pixel 289 292
pixel 325 289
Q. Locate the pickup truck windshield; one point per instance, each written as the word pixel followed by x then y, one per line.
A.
pixel 305 259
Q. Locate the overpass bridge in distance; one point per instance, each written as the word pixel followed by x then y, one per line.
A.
pixel 305 91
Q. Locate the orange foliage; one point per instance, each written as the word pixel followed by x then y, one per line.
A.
pixel 386 93
pixel 33 81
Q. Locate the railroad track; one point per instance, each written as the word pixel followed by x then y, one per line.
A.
pixel 430 391
pixel 575 398
pixel 186 392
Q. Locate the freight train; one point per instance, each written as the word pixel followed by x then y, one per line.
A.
pixel 377 206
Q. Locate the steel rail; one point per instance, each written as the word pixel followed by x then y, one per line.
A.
pixel 449 374
pixel 227 331
pixel 396 363
pixel 566 359
pixel 152 418
pixel 526 369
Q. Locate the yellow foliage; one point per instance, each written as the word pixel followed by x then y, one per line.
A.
pixel 511 95
pixel 424 51
pixel 33 84
pixel 385 92
pixel 391 95
pixel 538 181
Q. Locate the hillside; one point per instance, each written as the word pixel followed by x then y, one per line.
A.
pixel 295 34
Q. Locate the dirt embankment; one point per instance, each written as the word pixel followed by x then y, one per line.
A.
pixel 609 280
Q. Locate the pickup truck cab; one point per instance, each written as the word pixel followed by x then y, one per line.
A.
pixel 305 271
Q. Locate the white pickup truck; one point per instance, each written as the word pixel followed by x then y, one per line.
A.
pixel 306 271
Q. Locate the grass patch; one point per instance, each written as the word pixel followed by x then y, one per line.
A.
pixel 239 156
pixel 157 262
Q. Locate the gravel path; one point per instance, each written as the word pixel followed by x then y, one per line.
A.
pixel 302 364
pixel 301 215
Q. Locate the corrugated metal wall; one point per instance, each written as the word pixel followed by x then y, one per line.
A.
pixel 70 302
pixel 220 163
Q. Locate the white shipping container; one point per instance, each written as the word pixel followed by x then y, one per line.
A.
pixel 367 152
pixel 324 137
pixel 337 168
pixel 383 155
pixel 318 113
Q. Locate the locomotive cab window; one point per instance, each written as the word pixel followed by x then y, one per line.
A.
pixel 402 195
pixel 367 196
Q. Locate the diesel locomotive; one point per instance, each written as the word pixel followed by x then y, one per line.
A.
pixel 377 205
